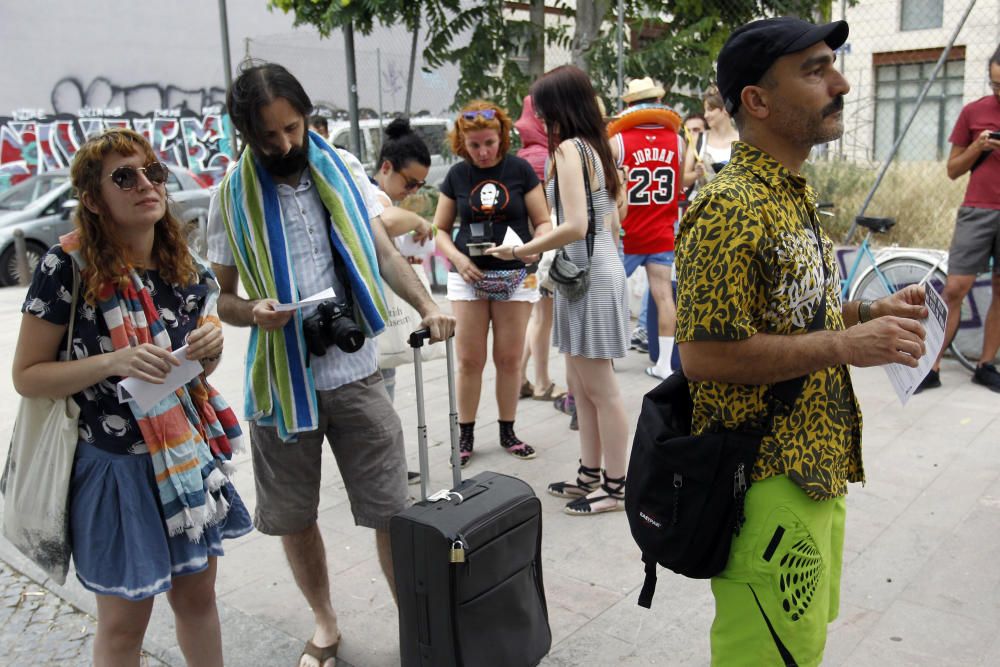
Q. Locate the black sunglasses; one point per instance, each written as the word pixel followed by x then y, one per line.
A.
pixel 127 177
pixel 412 184
pixel 488 114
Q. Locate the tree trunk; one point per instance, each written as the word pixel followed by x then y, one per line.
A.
pixel 589 17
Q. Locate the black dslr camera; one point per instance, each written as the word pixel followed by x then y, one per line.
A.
pixel 331 324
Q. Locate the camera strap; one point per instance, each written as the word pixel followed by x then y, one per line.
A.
pixel 339 269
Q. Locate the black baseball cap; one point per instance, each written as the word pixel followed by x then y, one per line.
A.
pixel 753 47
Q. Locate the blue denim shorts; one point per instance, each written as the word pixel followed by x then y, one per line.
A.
pixel 633 262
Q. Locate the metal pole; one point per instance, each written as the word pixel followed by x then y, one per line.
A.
pixel 621 52
pixel 352 90
pixel 409 75
pixel 227 65
pixel 913 114
pixel 381 113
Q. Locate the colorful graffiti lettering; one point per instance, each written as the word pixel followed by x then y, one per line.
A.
pixel 200 142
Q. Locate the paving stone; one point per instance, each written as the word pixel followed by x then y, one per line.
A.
pixel 39 628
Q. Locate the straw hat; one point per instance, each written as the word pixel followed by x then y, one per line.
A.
pixel 642 89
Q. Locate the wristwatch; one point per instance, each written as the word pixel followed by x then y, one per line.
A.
pixel 865 311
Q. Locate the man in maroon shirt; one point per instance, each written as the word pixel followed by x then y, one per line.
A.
pixel 976 148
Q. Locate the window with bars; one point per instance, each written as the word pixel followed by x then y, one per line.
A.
pixel 921 14
pixel 897 86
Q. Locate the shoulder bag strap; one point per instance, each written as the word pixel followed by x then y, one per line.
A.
pixel 72 310
pixel 591 223
pixel 591 231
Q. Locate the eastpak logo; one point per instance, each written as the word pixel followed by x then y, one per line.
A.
pixel 650 520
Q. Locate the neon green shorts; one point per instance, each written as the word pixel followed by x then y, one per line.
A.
pixel 781 586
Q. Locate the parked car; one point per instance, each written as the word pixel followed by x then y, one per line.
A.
pixel 42 206
pixel 434 132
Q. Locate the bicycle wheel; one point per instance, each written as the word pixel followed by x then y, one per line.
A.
pixel 902 271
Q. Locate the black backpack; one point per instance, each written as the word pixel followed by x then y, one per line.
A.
pixel 685 493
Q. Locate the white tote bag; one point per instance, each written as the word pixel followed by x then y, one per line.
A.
pixel 393 346
pixel 36 479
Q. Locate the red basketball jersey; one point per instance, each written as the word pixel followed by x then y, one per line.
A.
pixel 654 156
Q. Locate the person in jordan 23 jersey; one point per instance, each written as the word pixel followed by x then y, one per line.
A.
pixel 652 154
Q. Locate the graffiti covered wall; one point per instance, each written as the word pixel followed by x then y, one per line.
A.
pixel 33 141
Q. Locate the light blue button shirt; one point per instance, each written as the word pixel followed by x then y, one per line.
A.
pixel 307 234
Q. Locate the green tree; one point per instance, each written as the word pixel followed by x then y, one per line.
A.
pixel 489 41
pixel 328 15
pixel 677 41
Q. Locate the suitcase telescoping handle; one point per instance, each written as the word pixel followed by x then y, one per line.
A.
pixel 418 340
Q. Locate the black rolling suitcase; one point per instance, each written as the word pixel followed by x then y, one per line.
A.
pixel 468 563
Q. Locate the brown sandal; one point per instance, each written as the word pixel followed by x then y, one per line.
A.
pixel 527 389
pixel 321 653
pixel 551 393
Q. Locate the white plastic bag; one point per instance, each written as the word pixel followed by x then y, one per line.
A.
pixel 393 346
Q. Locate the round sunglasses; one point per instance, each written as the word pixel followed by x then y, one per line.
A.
pixel 127 177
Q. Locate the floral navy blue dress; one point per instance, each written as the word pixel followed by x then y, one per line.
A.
pixel 121 542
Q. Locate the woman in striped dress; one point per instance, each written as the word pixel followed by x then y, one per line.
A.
pixel 593 329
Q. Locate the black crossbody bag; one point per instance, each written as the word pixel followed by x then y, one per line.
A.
pixel 571 280
pixel 685 493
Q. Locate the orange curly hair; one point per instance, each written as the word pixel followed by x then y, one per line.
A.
pixel 106 258
pixel 501 122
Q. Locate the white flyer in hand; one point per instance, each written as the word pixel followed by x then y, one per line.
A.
pixel 325 295
pixel 146 394
pixel 512 238
pixel 905 379
pixel 408 247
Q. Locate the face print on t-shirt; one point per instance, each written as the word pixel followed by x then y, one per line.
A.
pixel 489 200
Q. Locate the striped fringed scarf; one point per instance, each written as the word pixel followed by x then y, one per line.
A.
pixel 191 434
pixel 279 384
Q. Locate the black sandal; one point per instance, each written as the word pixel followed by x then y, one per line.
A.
pixel 614 489
pixel 582 486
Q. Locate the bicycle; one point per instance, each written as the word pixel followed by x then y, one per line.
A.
pixel 891 269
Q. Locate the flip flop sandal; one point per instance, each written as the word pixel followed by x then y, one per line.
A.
pixel 321 653
pixel 527 390
pixel 551 393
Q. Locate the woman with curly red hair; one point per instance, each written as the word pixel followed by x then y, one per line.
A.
pixel 491 194
pixel 150 499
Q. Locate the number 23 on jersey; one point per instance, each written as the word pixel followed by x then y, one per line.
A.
pixel 651 186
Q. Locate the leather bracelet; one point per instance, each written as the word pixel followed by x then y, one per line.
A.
pixel 865 311
pixel 513 251
pixel 210 360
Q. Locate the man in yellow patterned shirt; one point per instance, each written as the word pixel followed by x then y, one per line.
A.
pixel 753 269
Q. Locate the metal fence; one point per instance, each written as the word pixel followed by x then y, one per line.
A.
pixel 892 61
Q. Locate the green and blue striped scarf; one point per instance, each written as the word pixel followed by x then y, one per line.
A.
pixel 280 391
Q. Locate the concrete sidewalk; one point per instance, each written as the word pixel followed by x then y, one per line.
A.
pixel 920 585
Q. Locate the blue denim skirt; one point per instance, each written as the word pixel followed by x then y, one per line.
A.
pixel 119 538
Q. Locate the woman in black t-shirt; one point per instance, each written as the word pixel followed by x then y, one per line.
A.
pixel 491 195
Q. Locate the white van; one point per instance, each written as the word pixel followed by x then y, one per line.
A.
pixel 434 132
